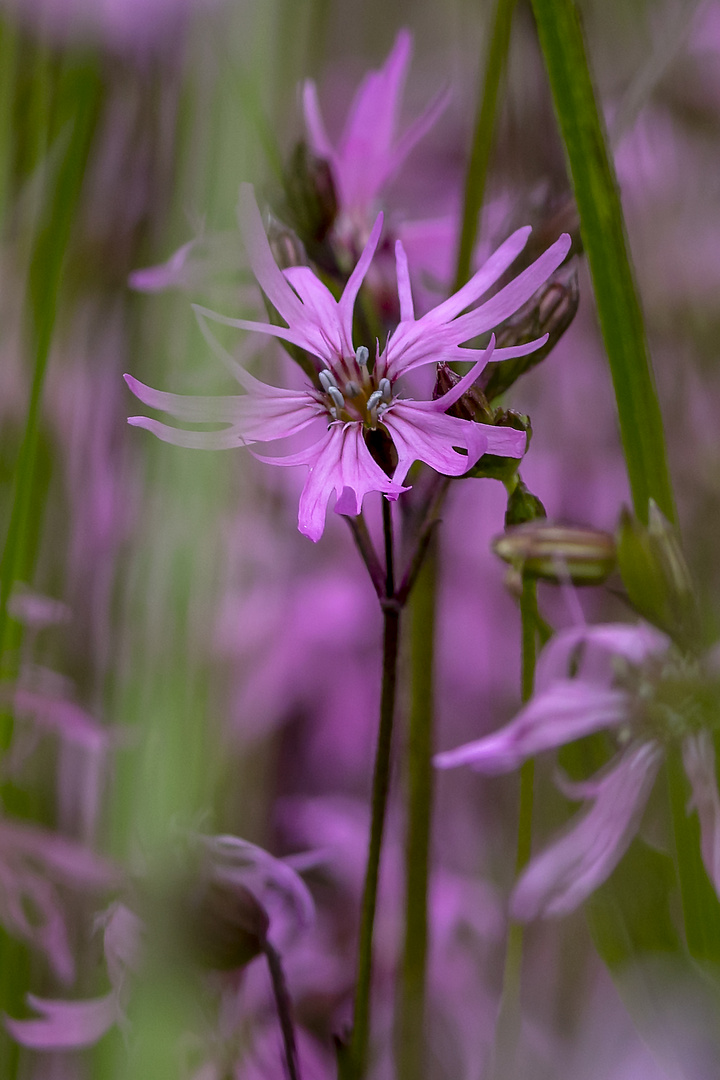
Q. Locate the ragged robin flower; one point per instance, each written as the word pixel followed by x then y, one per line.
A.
pixel 355 395
pixel 635 683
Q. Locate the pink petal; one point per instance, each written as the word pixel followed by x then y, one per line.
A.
pixel 417 131
pixel 699 761
pixel 513 295
pixel 588 652
pixel 349 296
pixel 339 462
pixel 559 879
pixel 480 282
pixel 407 311
pixel 167 275
pixel 227 439
pixel 271 279
pixel 365 148
pixel 421 434
pixel 565 711
pixel 64 1025
pixel 317 135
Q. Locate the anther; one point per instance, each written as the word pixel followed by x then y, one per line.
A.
pixel 351 389
pixel 374 400
pixel 336 396
pixel 362 355
pixel 386 390
pixel 327 379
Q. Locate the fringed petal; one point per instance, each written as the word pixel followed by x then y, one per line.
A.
pixel 559 879
pixel 64 1025
pixel 422 434
pixel 566 711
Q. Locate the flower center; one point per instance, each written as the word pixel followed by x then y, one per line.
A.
pixel 352 393
pixel 675 698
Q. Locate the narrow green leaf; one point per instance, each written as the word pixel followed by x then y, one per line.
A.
pixel 483 138
pixel 604 239
pixel 77 99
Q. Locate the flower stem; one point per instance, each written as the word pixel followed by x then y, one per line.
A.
pixel 482 138
pixel 507 1032
pixel 284 1008
pixel 356 1062
pixel 410 1042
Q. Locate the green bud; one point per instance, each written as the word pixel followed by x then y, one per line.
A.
pixel 493 466
pixel 522 505
pixel 656 576
pixel 558 553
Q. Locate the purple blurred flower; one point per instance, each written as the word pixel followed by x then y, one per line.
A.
pixel 369 154
pixel 70 1025
pixel 349 400
pixel 630 680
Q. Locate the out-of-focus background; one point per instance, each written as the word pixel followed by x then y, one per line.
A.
pixel 177 660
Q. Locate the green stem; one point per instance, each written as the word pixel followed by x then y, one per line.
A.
pixel 604 239
pixel 481 149
pixel 355 1063
pixel 507 1033
pixel 410 1040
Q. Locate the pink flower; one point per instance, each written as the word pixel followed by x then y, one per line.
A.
pixel 624 680
pixel 350 398
pixel 368 153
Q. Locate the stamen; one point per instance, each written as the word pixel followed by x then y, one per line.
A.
pixel 386 390
pixel 337 397
pixel 351 389
pixel 362 355
pixel 374 400
pixel 327 379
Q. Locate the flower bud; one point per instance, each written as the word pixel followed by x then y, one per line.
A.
pixel 522 505
pixel 550 311
pixel 656 576
pixel 286 246
pixel 225 924
pixel 310 197
pixel 473 403
pixel 558 553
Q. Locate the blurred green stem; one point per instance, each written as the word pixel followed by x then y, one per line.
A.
pixel 78 100
pixel 482 143
pixel 356 1062
pixel 507 1032
pixel 410 1032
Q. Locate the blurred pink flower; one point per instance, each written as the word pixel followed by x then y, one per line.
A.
pixel 369 152
pixel 349 399
pixel 618 685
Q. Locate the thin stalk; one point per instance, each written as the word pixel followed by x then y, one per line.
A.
pixel 410 1056
pixel 507 1033
pixel 476 177
pixel 604 239
pixel 357 1059
pixel 284 1008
